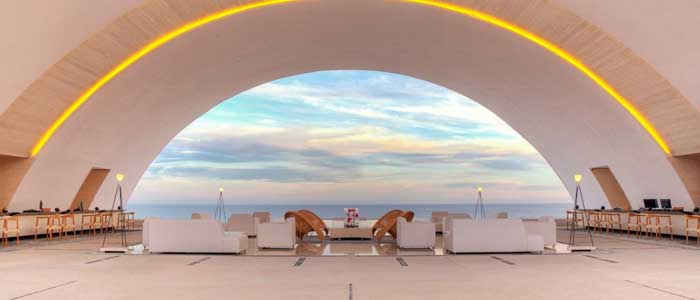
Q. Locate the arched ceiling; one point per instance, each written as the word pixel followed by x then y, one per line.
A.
pixel 663 33
pixel 36 34
pixel 566 116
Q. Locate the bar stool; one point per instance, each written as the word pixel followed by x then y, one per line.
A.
pixel 575 217
pixel 689 229
pixel 7 229
pixel 594 220
pixel 131 220
pixel 41 223
pixel 612 219
pixel 636 221
pixel 68 223
pixel 87 220
pixel 657 222
pixel 54 225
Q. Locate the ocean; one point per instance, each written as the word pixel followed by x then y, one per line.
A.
pixel 422 211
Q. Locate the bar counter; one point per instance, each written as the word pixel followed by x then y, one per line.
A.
pixel 83 220
pixel 680 220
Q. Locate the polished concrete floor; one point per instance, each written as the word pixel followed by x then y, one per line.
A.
pixel 621 268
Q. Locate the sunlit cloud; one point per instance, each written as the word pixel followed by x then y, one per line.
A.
pixel 332 136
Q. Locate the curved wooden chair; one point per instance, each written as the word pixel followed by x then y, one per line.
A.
pixel 314 219
pixel 306 222
pixel 385 223
pixel 302 227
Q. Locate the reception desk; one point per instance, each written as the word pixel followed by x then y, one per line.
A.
pixel 83 220
pixel 596 219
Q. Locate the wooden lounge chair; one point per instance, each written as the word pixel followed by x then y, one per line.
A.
pixel 385 223
pixel 306 221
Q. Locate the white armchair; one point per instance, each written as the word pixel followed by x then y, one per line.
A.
pixel 244 223
pixel 277 235
pixel 263 216
pixel 415 234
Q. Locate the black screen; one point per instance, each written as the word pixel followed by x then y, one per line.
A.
pixel 665 203
pixel 651 203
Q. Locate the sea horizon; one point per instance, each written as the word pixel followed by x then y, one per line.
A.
pixel 183 210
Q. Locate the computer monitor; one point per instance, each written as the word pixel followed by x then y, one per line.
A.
pixel 665 203
pixel 651 203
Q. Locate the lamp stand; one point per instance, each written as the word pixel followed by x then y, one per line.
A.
pixel 220 212
pixel 479 212
pixel 120 225
pixel 574 226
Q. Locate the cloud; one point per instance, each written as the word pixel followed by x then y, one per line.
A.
pixel 358 134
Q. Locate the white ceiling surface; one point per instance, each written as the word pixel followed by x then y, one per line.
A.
pixel 663 32
pixel 570 120
pixel 38 33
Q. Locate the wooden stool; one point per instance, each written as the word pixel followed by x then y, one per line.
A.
pixel 7 229
pixel 68 223
pixel 688 229
pixel 657 222
pixel 41 223
pixel 575 217
pixel 54 225
pixel 612 219
pixel 88 220
pixel 594 220
pixel 636 221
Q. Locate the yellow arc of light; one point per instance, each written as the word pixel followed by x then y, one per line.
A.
pixel 475 14
pixel 495 21
pixel 141 53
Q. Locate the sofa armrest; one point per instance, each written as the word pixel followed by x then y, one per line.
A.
pixel 235 241
pixel 535 243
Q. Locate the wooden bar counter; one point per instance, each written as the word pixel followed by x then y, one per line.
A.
pixel 28 221
pixel 678 219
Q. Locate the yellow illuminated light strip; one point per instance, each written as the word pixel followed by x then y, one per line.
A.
pixel 481 16
pixel 141 53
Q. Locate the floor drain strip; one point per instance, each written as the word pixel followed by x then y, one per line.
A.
pixel 350 291
pixel 660 290
pixel 505 261
pixel 602 259
pixel 101 259
pixel 402 262
pixel 44 290
pixel 203 259
pixel 300 261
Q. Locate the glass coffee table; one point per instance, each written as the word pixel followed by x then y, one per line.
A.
pixel 338 231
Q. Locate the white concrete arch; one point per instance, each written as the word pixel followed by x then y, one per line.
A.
pixel 571 121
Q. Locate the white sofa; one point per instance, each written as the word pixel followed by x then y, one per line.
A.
pixel 453 216
pixel 277 234
pixel 490 236
pixel 146 231
pixel 544 226
pixel 416 234
pixel 193 236
pixel 244 223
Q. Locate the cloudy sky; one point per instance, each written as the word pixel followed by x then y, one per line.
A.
pixel 342 137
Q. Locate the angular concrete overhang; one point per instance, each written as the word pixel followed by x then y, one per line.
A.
pixel 573 121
